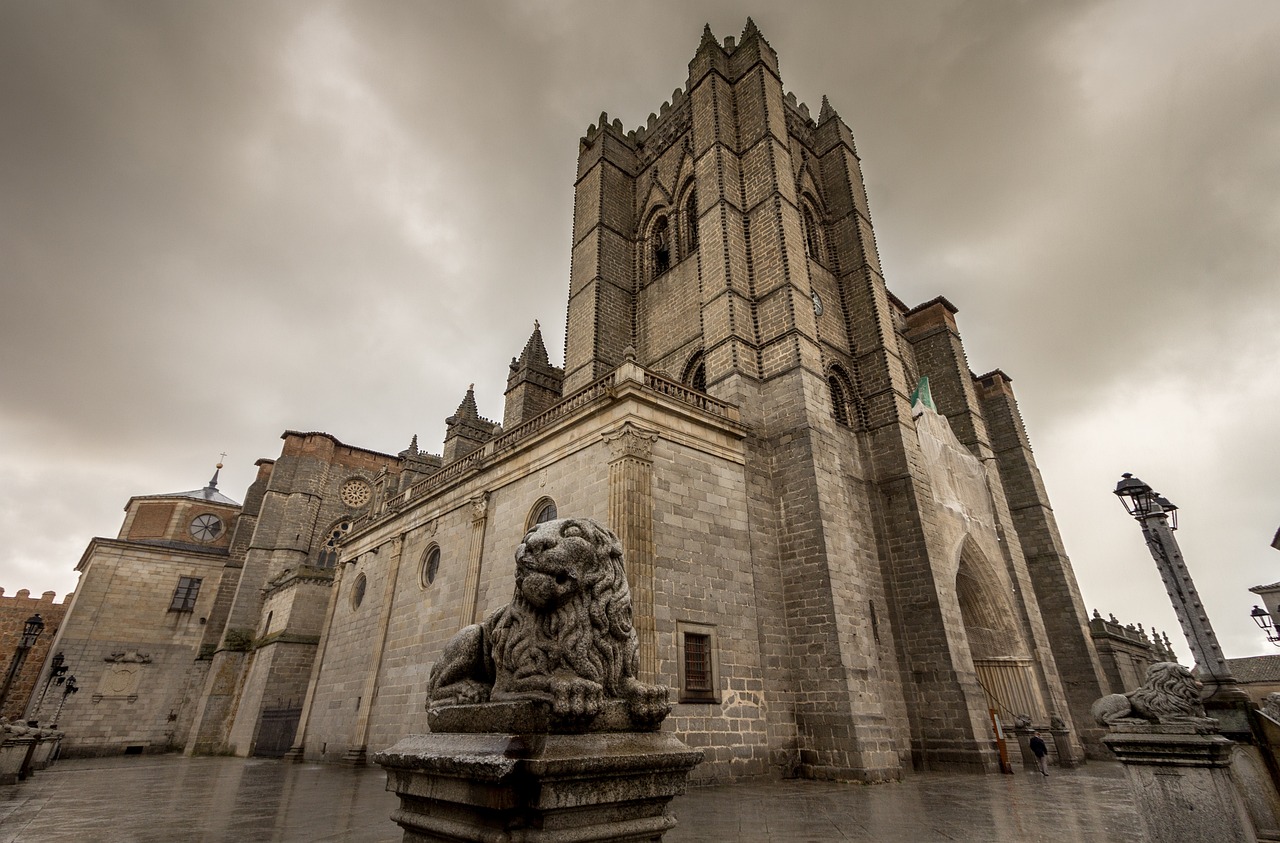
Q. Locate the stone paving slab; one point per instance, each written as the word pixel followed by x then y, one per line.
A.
pixel 158 799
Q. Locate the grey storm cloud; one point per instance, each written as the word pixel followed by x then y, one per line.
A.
pixel 221 220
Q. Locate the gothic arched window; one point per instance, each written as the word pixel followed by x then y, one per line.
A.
pixel 328 556
pixel 691 222
pixel 838 385
pixel 812 239
pixel 695 373
pixel 661 243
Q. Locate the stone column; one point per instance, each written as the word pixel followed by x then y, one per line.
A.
pixel 471 588
pixel 631 517
pixel 1180 775
pixel 1066 753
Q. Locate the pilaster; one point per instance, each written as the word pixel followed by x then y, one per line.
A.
pixel 471 586
pixel 631 517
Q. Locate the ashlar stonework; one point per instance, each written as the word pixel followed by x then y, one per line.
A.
pixel 836 579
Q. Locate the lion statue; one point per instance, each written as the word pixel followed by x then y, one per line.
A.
pixel 1170 695
pixel 1271 706
pixel 565 638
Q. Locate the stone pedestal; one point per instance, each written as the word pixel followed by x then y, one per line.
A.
pixel 15 755
pixel 531 785
pixel 1062 742
pixel 47 745
pixel 1181 780
pixel 1024 744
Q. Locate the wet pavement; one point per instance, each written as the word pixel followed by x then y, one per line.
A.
pixel 157 799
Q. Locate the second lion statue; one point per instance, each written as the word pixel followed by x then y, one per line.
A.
pixel 565 638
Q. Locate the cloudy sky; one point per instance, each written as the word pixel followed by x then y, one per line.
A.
pixel 222 220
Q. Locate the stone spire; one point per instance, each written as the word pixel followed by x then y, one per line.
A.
pixel 533 384
pixel 708 38
pixel 827 112
pixel 466 429
pixel 213 481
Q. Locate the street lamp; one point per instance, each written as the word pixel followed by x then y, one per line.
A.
pixel 57 669
pixel 1263 619
pixel 70 688
pixel 30 632
pixel 1152 511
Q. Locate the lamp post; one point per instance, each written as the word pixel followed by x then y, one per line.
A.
pixel 1154 512
pixel 70 688
pixel 1263 619
pixel 57 669
pixel 30 632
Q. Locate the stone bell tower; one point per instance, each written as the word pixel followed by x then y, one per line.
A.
pixel 729 243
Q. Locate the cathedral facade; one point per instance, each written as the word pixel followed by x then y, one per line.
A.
pixel 842 556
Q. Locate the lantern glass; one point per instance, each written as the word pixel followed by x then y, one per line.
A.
pixel 31 631
pixel 1135 495
pixel 1261 617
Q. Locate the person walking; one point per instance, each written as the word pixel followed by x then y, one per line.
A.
pixel 1041 752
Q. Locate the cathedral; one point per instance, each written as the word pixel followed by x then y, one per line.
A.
pixel 843 559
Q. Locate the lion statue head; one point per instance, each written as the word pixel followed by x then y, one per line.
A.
pixel 1171 694
pixel 565 638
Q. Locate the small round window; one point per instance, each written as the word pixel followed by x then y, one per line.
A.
pixel 357 591
pixel 206 528
pixel 430 566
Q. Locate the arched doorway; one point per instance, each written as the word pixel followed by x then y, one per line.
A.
pixel 999 650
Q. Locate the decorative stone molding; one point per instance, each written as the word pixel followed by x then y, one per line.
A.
pixel 631 441
pixel 479 507
pixel 129 657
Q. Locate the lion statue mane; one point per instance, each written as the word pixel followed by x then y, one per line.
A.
pixel 1170 695
pixel 565 638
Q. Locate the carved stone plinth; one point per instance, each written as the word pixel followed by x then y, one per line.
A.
pixel 532 786
pixel 1029 764
pixel 15 754
pixel 46 746
pixel 1181 780
pixel 1066 753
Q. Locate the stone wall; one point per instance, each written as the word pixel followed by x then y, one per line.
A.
pixel 15 610
pixel 133 656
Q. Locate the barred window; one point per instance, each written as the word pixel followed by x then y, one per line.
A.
pixel 184 596
pixel 697 663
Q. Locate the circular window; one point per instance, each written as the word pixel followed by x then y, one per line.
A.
pixel 357 591
pixel 430 566
pixel 355 493
pixel 206 528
